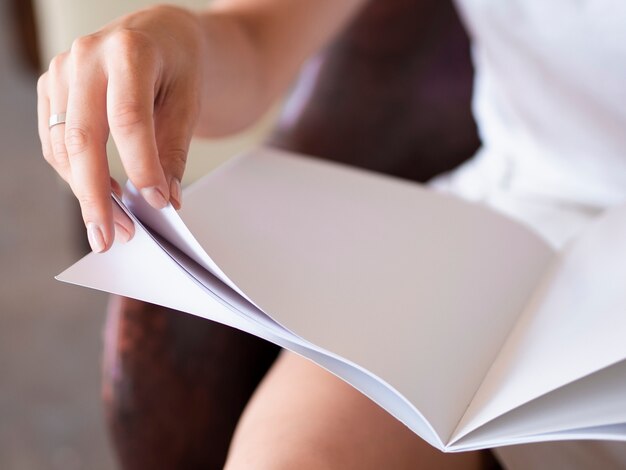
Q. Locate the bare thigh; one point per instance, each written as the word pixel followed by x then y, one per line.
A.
pixel 303 417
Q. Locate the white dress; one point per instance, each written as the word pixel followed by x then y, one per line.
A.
pixel 550 104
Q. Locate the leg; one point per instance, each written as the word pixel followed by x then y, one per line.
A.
pixel 301 416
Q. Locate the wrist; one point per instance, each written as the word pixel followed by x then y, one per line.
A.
pixel 236 88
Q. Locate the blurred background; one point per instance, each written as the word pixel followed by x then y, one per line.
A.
pixel 50 333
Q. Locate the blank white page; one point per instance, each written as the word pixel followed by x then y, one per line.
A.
pixel 596 400
pixel 418 287
pixel 575 325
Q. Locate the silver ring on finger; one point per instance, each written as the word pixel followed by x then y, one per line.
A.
pixel 56 119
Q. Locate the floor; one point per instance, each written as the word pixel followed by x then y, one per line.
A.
pixel 50 333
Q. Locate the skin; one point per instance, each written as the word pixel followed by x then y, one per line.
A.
pixel 303 417
pixel 154 78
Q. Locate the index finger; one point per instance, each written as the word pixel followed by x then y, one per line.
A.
pixel 86 133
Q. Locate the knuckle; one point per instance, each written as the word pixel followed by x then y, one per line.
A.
pixel 59 151
pixel 164 9
pixel 42 84
pixel 130 45
pixel 177 157
pixel 88 203
pixel 76 139
pixel 126 115
pixel 57 64
pixel 83 47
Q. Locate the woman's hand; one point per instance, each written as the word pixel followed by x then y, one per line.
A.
pixel 151 77
pixel 138 78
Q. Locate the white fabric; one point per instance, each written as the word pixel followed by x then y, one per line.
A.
pixel 550 104
pixel 550 94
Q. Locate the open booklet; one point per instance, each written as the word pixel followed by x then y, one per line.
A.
pixel 460 322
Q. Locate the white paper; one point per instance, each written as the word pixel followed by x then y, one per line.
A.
pixel 418 287
pixel 574 325
pixel 167 223
pixel 141 269
pixel 596 400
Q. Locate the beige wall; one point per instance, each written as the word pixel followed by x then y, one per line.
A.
pixel 60 21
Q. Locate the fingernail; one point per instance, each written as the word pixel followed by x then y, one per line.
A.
pixel 121 233
pixel 176 194
pixel 96 239
pixel 154 197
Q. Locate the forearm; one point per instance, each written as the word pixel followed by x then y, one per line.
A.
pixel 254 49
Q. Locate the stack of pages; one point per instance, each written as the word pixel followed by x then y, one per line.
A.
pixel 460 322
